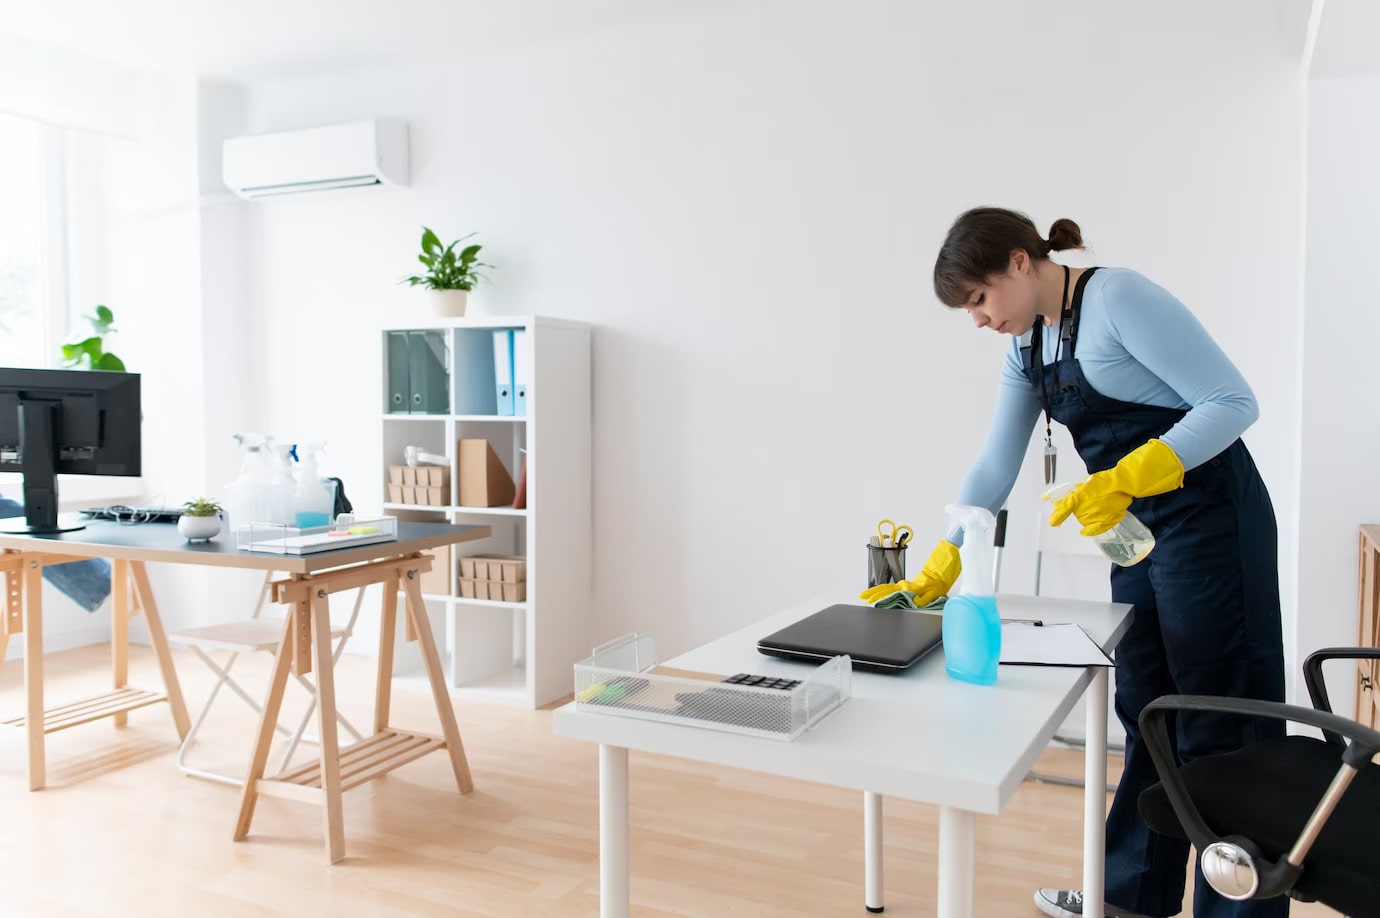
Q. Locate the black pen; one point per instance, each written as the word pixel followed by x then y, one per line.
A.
pixel 1023 621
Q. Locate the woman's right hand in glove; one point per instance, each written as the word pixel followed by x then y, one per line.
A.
pixel 935 579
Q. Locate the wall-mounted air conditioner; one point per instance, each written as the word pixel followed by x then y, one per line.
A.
pixel 317 159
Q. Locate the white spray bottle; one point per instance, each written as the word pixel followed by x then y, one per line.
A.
pixel 972 625
pixel 244 497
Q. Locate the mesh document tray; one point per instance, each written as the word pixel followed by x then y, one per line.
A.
pixel 619 679
pixel 278 539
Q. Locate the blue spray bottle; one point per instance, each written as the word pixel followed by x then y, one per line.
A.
pixel 972 627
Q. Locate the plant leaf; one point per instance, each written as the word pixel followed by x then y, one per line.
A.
pixel 430 243
pixel 109 362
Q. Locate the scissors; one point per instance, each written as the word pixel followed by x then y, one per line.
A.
pixel 893 536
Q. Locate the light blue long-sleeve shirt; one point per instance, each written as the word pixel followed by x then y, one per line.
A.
pixel 1136 343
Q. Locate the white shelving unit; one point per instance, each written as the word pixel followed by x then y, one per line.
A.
pixel 516 652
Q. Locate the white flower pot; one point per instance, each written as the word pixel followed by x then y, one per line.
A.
pixel 198 528
pixel 448 302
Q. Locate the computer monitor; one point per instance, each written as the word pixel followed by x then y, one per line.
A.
pixel 72 422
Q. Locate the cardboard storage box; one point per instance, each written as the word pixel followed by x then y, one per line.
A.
pixel 484 482
pixel 502 568
pixel 437 580
pixel 493 590
pixel 424 485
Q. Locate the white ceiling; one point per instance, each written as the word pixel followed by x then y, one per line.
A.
pixel 245 40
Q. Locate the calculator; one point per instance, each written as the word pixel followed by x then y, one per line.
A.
pixel 762 681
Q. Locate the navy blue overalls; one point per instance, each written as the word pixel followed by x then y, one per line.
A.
pixel 1207 618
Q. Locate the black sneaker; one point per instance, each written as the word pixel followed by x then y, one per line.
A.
pixel 1068 903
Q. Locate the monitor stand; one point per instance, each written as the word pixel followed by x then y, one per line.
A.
pixel 38 457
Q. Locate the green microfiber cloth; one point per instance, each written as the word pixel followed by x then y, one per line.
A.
pixel 905 599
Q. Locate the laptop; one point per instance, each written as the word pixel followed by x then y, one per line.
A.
pixel 877 640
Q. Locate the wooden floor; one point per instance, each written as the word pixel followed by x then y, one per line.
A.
pixel 120 831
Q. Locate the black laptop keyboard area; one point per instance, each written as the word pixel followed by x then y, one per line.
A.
pixel 763 681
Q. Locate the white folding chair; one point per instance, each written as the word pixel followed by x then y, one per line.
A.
pixel 249 636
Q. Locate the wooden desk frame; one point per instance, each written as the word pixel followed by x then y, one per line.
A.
pixel 130 594
pixel 306 643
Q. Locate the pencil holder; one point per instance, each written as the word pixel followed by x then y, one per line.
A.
pixel 885 565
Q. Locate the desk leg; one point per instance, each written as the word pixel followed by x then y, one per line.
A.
pixel 268 722
pixel 613 832
pixel 159 638
pixel 325 709
pixel 436 675
pixel 119 630
pixel 388 627
pixel 956 845
pixel 33 672
pixel 872 851
pixel 1095 796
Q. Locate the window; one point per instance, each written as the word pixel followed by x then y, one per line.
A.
pixel 33 306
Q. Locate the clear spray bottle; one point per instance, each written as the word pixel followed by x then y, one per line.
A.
pixel 1127 543
pixel 972 625
pixel 313 501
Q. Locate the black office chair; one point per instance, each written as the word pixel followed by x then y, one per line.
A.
pixel 1295 816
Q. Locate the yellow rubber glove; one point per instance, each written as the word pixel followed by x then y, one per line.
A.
pixel 936 578
pixel 1100 502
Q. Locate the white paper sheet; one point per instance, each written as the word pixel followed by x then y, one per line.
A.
pixel 1025 644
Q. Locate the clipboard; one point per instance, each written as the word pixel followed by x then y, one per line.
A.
pixel 1029 644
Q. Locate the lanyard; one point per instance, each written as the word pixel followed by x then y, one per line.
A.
pixel 1051 453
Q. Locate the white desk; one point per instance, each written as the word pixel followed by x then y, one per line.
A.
pixel 920 735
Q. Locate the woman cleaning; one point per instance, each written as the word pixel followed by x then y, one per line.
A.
pixel 1156 412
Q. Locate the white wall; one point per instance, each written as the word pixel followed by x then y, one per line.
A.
pixel 748 208
pixel 1339 436
pixel 133 232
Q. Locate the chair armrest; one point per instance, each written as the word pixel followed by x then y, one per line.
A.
pixel 1365 743
pixel 1313 676
pixel 1275 876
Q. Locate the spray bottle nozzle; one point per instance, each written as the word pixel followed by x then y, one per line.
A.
pixel 302 452
pixel 976 553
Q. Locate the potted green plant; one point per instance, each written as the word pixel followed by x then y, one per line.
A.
pixel 200 520
pixel 86 350
pixel 449 275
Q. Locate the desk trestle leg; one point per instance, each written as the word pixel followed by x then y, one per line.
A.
pixel 12 611
pixel 119 630
pixel 307 642
pixel 24 589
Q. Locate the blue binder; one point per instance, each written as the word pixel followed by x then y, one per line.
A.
pixel 503 371
pixel 522 371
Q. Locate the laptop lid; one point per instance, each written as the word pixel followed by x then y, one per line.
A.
pixel 885 640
